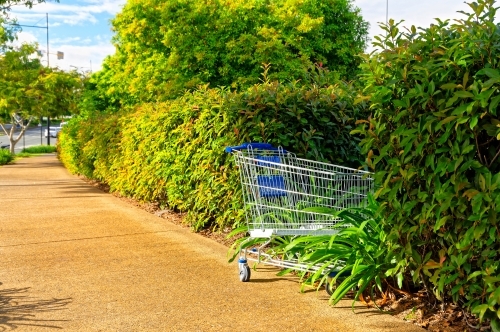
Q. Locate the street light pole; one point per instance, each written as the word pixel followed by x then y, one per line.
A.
pixel 47 20
pixel 48 65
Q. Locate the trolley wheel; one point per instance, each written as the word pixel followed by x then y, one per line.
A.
pixel 244 273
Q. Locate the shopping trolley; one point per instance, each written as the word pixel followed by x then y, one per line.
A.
pixel 286 195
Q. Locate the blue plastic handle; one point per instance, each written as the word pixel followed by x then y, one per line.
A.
pixel 259 146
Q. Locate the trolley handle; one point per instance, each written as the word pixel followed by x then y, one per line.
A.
pixel 259 146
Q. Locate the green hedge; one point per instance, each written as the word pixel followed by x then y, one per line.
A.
pixel 173 152
pixel 5 157
pixel 433 140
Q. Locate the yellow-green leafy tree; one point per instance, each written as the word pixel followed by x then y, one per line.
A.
pixel 166 47
pixel 29 90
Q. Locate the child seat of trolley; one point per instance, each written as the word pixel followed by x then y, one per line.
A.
pixel 269 185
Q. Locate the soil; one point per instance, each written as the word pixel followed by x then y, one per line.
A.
pixel 414 308
pixel 437 318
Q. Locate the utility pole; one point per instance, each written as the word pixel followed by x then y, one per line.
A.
pixel 48 66
pixel 387 12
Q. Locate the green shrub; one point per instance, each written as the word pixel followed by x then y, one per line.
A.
pixel 5 157
pixel 39 149
pixel 433 142
pixel 173 152
pixel 88 140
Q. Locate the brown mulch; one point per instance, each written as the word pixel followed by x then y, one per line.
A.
pixel 414 308
pixel 437 317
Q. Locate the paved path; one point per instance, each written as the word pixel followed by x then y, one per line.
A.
pixel 74 258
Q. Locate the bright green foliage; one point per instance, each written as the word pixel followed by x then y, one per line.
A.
pixel 97 95
pixel 433 140
pixel 5 157
pixel 19 91
pixel 165 47
pixel 27 90
pixel 173 152
pixel 59 92
pixel 6 33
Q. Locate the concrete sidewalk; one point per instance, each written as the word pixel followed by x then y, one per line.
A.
pixel 75 258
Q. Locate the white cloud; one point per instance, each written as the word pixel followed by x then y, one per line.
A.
pixel 25 37
pixel 420 13
pixel 72 14
pixel 105 6
pixel 65 40
pixel 83 57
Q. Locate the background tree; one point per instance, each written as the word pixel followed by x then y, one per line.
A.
pixel 18 73
pixel 29 90
pixel 97 95
pixel 163 48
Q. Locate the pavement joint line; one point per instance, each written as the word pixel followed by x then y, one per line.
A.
pixel 82 239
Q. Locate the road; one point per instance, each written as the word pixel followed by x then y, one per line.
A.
pixel 32 137
pixel 74 258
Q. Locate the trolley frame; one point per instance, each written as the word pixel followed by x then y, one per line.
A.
pixel 286 195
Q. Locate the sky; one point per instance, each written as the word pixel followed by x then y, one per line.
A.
pixel 82 30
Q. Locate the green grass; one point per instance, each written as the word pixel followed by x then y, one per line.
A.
pixel 5 157
pixel 23 155
pixel 29 152
pixel 38 149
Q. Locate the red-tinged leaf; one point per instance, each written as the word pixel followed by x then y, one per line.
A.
pixel 470 193
pixel 431 264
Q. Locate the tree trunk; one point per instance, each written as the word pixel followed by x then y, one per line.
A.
pixel 10 134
